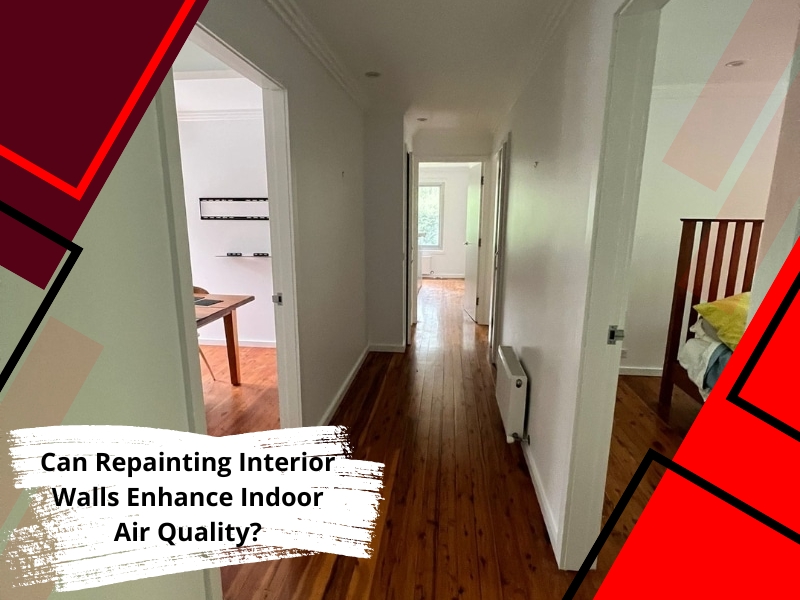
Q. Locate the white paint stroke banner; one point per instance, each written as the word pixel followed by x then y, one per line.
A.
pixel 117 503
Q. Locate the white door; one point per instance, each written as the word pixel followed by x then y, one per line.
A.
pixel 472 242
pixel 412 248
pixel 501 197
pixel 625 134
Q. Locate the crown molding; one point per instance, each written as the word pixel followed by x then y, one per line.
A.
pixel 229 114
pixel 193 75
pixel 312 39
pixel 552 26
pixel 554 20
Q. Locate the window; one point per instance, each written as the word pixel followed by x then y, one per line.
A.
pixel 430 215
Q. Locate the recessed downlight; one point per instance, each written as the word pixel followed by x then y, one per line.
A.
pixel 735 63
pixel 372 74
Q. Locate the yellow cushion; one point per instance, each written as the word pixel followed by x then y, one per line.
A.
pixel 728 316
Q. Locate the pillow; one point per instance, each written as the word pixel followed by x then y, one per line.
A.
pixel 727 316
pixel 708 330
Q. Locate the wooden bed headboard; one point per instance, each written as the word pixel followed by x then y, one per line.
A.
pixel 727 261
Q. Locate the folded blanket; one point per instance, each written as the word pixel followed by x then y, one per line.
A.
pixel 716 363
pixel 696 355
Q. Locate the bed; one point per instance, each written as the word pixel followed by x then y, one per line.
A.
pixel 716 260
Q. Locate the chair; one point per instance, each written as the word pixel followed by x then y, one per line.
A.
pixel 198 291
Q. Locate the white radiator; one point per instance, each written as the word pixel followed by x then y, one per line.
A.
pixel 512 393
pixel 427 265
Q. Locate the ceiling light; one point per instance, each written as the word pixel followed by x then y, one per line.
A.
pixel 735 63
pixel 372 74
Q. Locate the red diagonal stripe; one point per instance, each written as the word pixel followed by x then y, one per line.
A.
pixel 691 545
pixel 696 537
pixel 78 191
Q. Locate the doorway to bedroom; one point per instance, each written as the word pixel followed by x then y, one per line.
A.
pixel 690 145
pixel 696 224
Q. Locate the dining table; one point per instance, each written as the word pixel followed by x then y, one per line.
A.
pixel 213 307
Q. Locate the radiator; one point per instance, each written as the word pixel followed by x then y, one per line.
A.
pixel 512 394
pixel 427 265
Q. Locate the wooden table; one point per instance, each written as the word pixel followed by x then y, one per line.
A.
pixel 225 309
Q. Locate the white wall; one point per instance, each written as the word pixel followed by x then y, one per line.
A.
pixel 450 260
pixel 221 127
pixel 326 128
pixel 451 143
pixel 782 222
pixel 666 194
pixel 147 374
pixel 384 160
pixel 557 121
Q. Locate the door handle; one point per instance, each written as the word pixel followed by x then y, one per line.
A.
pixel 466 243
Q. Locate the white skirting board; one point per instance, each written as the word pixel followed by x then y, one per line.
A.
pixel 326 418
pixel 400 348
pixel 547 511
pixel 641 371
pixel 242 343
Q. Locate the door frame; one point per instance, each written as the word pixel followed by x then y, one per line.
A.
pixel 414 197
pixel 502 162
pixel 478 279
pixel 282 211
pixel 633 55
pixel 410 258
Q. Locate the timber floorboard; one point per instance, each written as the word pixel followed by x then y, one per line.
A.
pixel 460 518
pixel 251 406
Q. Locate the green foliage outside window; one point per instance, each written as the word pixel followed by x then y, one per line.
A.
pixel 430 216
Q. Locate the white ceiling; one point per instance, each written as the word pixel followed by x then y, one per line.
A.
pixel 459 63
pixel 694 34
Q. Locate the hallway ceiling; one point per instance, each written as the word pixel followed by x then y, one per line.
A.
pixel 458 63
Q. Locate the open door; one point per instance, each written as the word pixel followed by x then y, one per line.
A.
pixel 412 262
pixel 501 200
pixel 473 241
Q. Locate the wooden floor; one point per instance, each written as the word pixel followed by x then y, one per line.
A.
pixel 460 518
pixel 252 406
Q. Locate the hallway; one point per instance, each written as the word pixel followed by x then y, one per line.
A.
pixel 461 518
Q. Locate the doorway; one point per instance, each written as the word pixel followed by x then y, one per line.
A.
pixel 224 164
pixel 232 125
pixel 639 235
pixel 449 201
pixel 500 163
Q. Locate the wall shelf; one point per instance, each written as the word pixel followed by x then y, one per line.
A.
pixel 234 199
pixel 234 209
pixel 238 255
pixel 224 218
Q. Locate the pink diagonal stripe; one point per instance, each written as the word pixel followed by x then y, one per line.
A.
pixel 748 199
pixel 734 98
pixel 42 392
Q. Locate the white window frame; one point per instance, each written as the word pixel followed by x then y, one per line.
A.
pixel 440 247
